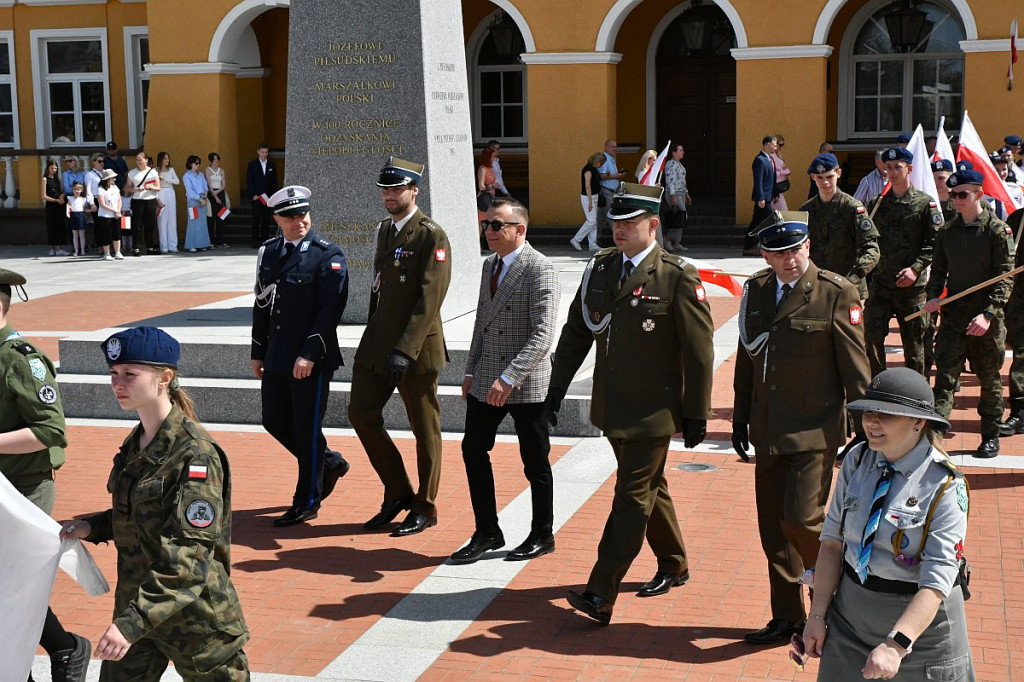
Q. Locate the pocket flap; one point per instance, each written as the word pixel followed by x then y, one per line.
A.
pixel 808 324
pixel 904 518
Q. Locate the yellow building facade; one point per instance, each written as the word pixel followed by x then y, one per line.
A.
pixel 549 79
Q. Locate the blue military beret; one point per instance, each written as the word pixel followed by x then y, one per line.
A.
pixel 942 165
pixel 903 138
pixel 142 346
pixel 897 154
pixel 964 164
pixel 823 163
pixel 1005 148
pixel 996 157
pixel 1012 140
pixel 783 230
pixel 965 177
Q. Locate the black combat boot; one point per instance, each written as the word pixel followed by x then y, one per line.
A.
pixel 71 665
pixel 1015 424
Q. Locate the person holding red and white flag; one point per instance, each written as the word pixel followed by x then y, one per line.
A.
pixel 650 177
pixel 972 149
pixel 197 235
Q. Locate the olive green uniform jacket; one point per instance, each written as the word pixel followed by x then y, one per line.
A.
pixel 843 238
pixel 655 359
pixel 906 235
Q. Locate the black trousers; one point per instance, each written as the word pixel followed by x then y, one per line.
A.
pixel 482 422
pixel 214 225
pixel 293 413
pixel 260 222
pixel 144 230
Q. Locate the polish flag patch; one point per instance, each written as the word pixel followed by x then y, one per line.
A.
pixel 861 209
pixel 335 266
pixel 855 315
pixel 701 294
pixel 196 472
pixel 440 255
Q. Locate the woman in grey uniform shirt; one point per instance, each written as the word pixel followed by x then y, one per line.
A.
pixel 887 601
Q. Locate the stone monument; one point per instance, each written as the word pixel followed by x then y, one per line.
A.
pixel 368 80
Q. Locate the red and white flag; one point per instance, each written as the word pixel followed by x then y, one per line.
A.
pixel 972 149
pixel 651 176
pixel 709 274
pixel 265 199
pixel 223 213
pixel 126 223
pixel 193 212
pixel 1013 54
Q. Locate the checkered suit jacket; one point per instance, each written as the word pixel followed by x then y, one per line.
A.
pixel 514 331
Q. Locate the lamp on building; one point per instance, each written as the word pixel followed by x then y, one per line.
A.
pixel 698 24
pixel 907 26
pixel 504 33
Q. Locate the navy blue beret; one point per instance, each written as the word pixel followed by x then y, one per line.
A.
pixel 964 164
pixel 142 346
pixel 903 138
pixel 823 163
pixel 1005 148
pixel 942 165
pixel 965 177
pixel 1013 140
pixel 897 154
pixel 996 157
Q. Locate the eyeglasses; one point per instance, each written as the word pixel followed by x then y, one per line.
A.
pixel 961 195
pixel 496 225
pixel 798 653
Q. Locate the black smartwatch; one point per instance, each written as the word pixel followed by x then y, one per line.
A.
pixel 901 640
pixel 989 315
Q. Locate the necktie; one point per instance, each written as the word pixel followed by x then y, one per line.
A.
pixel 289 249
pixel 871 527
pixel 496 276
pixel 786 288
pixel 627 270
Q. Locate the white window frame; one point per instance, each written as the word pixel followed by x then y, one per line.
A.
pixel 7 38
pixel 135 73
pixel 40 80
pixel 475 43
pixel 848 74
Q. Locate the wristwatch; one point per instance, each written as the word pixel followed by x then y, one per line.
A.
pixel 989 315
pixel 901 640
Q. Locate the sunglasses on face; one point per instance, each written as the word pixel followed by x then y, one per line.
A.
pixel 496 225
pixel 961 195
pixel 798 653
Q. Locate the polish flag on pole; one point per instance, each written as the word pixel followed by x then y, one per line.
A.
pixel 651 176
pixel 943 149
pixel 921 174
pixel 709 274
pixel 972 149
pixel 193 212
pixel 1013 54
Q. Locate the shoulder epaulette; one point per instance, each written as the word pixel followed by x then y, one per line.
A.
pixel 673 259
pixel 24 348
pixel 267 243
pixel 954 470
pixel 764 272
pixel 321 242
pixel 428 223
pixel 833 278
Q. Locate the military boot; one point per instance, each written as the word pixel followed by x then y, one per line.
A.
pixel 1015 424
pixel 71 665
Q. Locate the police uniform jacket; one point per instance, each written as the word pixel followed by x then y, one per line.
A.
pixel 968 254
pixel 792 392
pixel 906 235
pixel 171 524
pixel 412 271
pixel 843 238
pixel 655 358
pixel 29 397
pixel 299 304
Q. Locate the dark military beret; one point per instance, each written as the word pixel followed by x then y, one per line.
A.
pixel 964 164
pixel 942 165
pixel 1012 140
pixel 823 163
pixel 1005 148
pixel 897 154
pixel 783 230
pixel 901 392
pixel 996 157
pixel 399 172
pixel 141 346
pixel 903 138
pixel 965 177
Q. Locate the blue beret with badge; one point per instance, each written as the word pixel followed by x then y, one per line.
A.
pixel 1005 149
pixel 633 199
pixel 903 138
pixel 1012 140
pixel 399 172
pixel 897 154
pixel 823 163
pixel 783 230
pixel 942 165
pixel 996 157
pixel 964 165
pixel 142 346
pixel 290 201
pixel 965 177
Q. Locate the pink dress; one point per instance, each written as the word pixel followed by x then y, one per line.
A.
pixel 781 173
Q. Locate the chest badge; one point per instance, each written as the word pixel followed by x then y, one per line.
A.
pixel 199 514
pixel 911 501
pixel 401 278
pixel 647 325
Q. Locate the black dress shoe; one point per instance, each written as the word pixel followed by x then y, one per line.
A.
pixel 331 477
pixel 777 631
pixel 988 449
pixel 388 511
pixel 294 516
pixel 478 545
pixel 414 523
pixel 662 582
pixel 592 605
pixel 533 547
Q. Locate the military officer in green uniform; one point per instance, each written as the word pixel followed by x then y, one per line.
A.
pixel 907 220
pixel 647 312
pixel 32 440
pixel 801 358
pixel 843 239
pixel 403 347
pixel 973 247
pixel 941 170
pixel 171 523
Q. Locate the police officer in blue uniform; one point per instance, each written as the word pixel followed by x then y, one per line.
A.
pixel 301 291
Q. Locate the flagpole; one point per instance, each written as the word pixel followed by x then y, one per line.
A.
pixel 965 292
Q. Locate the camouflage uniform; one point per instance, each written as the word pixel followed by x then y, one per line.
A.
pixel 1015 339
pixel 843 238
pixel 948 213
pixel 171 523
pixel 977 251
pixel 906 229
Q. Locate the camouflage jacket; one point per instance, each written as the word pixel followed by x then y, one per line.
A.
pixel 906 235
pixel 970 253
pixel 843 238
pixel 171 524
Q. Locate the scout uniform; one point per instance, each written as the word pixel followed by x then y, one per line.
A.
pixel 918 543
pixel 652 378
pixel 800 359
pixel 171 524
pixel 906 227
pixel 843 238
pixel 965 255
pixel 301 291
pixel 403 347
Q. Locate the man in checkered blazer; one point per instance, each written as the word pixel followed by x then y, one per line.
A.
pixel 508 372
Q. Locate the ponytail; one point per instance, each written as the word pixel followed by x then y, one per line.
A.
pixel 182 399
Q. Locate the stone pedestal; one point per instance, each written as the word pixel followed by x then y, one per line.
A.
pixel 368 80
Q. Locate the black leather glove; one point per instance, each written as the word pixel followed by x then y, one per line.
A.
pixel 857 440
pixel 694 432
pixel 740 440
pixel 396 366
pixel 552 404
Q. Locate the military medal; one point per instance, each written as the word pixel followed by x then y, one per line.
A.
pixel 648 325
pixel 635 302
pixel 911 501
pixel 636 296
pixel 401 278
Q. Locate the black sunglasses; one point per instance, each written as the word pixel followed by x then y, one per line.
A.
pixel 496 225
pixel 798 652
pixel 961 195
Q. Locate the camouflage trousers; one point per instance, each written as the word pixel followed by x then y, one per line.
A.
pixel 1015 339
pixel 953 347
pixel 217 658
pixel 882 304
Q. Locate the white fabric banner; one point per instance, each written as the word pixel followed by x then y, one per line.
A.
pixel 921 175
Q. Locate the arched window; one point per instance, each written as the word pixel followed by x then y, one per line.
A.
pixel 888 92
pixel 499 82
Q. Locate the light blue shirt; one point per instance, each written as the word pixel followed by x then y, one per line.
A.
pixel 70 177
pixel 195 186
pixel 609 168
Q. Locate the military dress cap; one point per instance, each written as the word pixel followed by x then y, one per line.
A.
pixel 141 346
pixel 964 165
pixel 8 279
pixel 942 165
pixel 965 177
pixel 783 230
pixel 897 154
pixel 632 199
pixel 399 172
pixel 1012 140
pixel 903 138
pixel 901 392
pixel 289 201
pixel 823 163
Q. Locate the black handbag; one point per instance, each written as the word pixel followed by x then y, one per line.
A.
pixel 781 187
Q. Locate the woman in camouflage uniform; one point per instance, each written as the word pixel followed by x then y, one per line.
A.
pixel 171 524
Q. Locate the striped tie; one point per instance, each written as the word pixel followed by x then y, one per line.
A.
pixel 871 527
